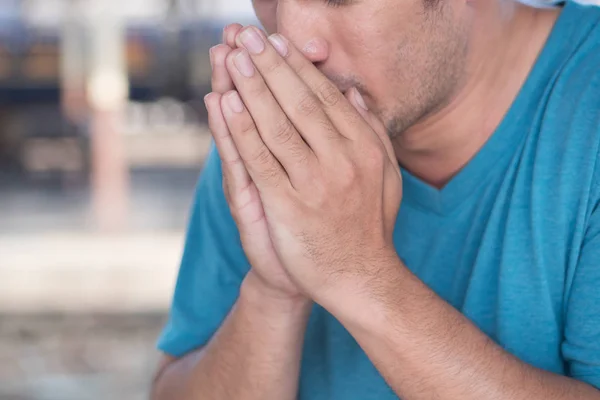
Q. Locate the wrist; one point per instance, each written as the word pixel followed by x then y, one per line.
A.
pixel 268 299
pixel 365 302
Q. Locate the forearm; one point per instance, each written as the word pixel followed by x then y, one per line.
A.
pixel 426 349
pixel 254 355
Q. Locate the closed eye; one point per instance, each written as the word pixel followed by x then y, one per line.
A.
pixel 336 3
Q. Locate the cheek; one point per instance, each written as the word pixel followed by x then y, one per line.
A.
pixel 266 12
pixel 378 69
pixel 381 82
pixel 366 45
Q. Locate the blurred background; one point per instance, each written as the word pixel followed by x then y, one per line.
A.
pixel 102 137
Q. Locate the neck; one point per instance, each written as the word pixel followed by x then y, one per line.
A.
pixel 441 144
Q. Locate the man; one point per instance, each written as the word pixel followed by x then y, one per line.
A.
pixel 405 204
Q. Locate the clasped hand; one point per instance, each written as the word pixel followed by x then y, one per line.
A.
pixel 309 172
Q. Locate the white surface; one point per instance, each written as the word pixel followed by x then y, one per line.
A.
pixel 51 12
pixel 230 8
pixel 88 272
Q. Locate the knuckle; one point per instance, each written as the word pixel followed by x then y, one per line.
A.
pixel 269 175
pixel 374 156
pixel 307 105
pixel 353 117
pixel 299 154
pixel 287 136
pixel 232 164
pixel 284 132
pixel 350 176
pixel 247 126
pixel 348 173
pixel 243 196
pixel 303 70
pixel 262 156
pixel 259 89
pixel 328 94
pixel 273 66
pixel 327 129
pixel 266 166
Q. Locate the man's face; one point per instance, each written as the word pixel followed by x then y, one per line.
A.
pixel 407 58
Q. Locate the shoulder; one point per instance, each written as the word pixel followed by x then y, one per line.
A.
pixel 579 72
pixel 573 103
pixel 569 130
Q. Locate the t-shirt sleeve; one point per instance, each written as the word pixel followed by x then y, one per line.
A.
pixel 581 346
pixel 211 271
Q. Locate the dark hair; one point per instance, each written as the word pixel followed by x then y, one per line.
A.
pixel 431 4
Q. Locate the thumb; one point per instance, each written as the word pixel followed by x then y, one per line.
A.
pixel 356 99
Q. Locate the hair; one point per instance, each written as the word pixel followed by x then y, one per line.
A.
pixel 431 4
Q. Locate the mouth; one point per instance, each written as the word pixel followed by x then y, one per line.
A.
pixel 344 84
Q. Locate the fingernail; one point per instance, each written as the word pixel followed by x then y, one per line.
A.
pixel 235 102
pixel 360 100
pixel 244 64
pixel 252 40
pixel 206 100
pixel 279 43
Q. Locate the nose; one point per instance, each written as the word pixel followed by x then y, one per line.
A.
pixel 316 50
pixel 299 22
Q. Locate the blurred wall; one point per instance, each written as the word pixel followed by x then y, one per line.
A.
pixel 102 137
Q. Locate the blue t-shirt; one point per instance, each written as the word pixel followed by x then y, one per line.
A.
pixel 513 241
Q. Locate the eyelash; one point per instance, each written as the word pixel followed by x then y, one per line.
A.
pixel 335 3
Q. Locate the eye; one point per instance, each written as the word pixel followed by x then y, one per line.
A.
pixel 336 3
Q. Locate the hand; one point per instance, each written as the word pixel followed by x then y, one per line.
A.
pixel 240 192
pixel 323 164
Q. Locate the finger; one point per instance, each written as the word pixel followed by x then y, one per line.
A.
pixel 226 190
pixel 341 113
pixel 262 166
pixel 299 103
pixel 220 80
pixel 235 175
pixel 356 99
pixel 276 129
pixel 229 34
pixel 392 191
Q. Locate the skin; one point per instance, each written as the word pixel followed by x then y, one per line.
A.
pixel 440 65
pixel 353 48
pixel 298 146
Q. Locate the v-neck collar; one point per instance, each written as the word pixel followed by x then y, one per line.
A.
pixel 497 152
